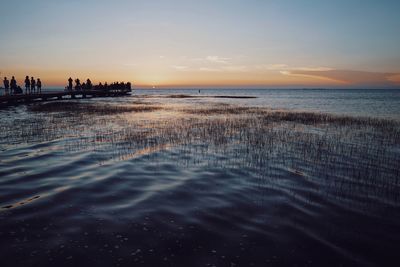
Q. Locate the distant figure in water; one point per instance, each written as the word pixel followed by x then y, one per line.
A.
pixel 27 84
pixel 33 85
pixel 39 85
pixel 13 85
pixel 6 85
pixel 199 91
pixel 77 85
pixel 70 84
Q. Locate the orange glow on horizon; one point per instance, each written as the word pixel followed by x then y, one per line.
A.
pixel 162 78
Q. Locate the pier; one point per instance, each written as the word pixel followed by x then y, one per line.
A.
pixel 17 99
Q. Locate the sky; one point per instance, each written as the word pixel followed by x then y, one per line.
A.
pixel 204 43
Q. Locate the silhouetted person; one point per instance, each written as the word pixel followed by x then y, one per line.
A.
pixel 13 85
pixel 77 85
pixel 33 85
pixel 70 84
pixel 83 86
pixel 99 86
pixel 27 84
pixel 6 85
pixel 39 85
pixel 18 90
pixel 89 85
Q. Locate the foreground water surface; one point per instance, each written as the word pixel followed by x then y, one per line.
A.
pixel 156 180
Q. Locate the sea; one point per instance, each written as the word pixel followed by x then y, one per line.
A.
pixel 185 177
pixel 380 103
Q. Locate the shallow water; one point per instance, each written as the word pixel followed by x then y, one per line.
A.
pixel 382 103
pixel 193 183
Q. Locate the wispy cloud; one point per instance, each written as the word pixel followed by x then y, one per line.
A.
pixel 284 72
pixel 179 67
pixel 313 69
pixel 284 67
pixel 225 69
pixel 210 69
pixel 219 60
pixel 276 67
pixel 351 77
pixel 212 59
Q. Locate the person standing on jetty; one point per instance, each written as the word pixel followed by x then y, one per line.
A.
pixel 70 84
pixel 13 85
pixel 33 85
pixel 39 86
pixel 27 85
pixel 6 85
pixel 89 85
pixel 78 85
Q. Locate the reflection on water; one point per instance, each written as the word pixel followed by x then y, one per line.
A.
pixel 185 184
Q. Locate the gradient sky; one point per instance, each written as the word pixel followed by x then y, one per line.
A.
pixel 207 43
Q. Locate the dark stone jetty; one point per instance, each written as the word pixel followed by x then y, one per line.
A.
pixel 17 99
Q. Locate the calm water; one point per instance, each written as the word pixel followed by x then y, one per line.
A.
pixel 195 182
pixel 372 102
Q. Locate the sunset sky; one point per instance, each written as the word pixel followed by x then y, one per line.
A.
pixel 207 43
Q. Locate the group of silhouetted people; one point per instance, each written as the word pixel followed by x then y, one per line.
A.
pixel 78 86
pixel 89 86
pixel 31 86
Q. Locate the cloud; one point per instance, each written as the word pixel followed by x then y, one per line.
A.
pixel 284 72
pixel 217 59
pixel 394 78
pixel 351 77
pixel 225 69
pixel 180 68
pixel 213 59
pixel 211 69
pixel 313 69
pixel 285 67
pixel 272 67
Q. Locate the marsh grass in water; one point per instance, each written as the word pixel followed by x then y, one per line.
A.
pixel 89 108
pixel 357 152
pixel 197 96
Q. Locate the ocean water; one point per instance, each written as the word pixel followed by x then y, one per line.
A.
pixel 151 180
pixel 382 103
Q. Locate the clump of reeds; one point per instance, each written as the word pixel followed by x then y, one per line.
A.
pixel 198 96
pixel 91 108
pixel 221 110
pixel 309 118
pixel 178 96
pixel 209 96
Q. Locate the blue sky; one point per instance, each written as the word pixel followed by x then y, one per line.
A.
pixel 204 43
